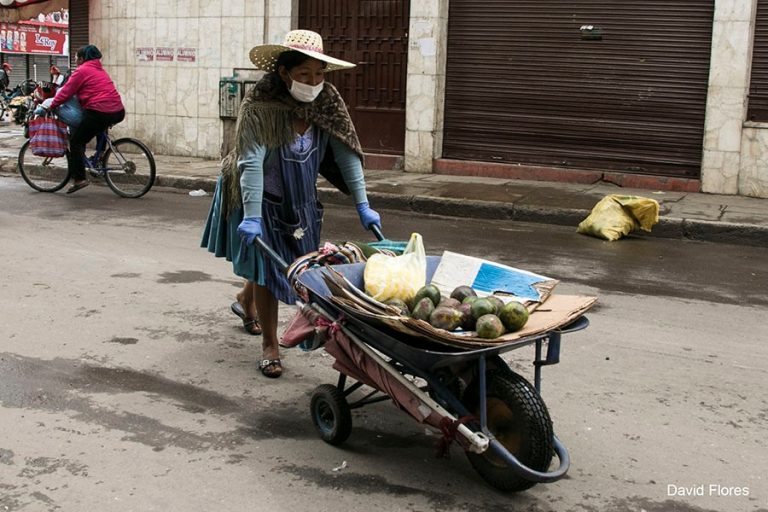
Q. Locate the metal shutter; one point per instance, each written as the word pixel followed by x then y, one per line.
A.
pixel 39 67
pixel 526 85
pixel 78 27
pixel 758 86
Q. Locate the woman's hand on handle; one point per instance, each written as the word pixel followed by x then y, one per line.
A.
pixel 368 216
pixel 249 229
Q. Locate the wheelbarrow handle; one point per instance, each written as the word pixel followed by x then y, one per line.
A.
pixel 280 262
pixel 377 232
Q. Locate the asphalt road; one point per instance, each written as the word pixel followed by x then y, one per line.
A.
pixel 127 385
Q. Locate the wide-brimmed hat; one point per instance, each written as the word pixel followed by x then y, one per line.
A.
pixel 307 42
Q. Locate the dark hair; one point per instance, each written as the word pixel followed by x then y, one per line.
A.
pixel 88 52
pixel 291 59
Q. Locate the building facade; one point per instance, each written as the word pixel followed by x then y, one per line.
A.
pixel 573 91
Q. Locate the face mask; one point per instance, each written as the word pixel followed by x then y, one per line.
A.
pixel 303 92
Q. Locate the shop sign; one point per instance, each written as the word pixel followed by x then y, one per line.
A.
pixel 16 38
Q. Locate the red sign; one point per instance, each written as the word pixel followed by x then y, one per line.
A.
pixel 145 54
pixel 186 54
pixel 164 53
pixel 16 38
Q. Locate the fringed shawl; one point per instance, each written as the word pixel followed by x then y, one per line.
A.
pixel 266 118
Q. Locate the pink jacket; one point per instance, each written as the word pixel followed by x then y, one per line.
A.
pixel 93 87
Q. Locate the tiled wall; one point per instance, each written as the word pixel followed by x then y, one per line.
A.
pixel 174 105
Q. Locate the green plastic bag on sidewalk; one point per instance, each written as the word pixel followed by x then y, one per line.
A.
pixel 615 216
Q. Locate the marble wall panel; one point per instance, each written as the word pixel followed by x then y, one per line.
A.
pixel 212 9
pixel 209 49
pixel 234 53
pixel 722 176
pixel 145 97
pixel 209 138
pixel 734 10
pixel 753 178
pixel 208 93
pixel 166 92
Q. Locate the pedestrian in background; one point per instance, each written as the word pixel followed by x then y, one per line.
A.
pixel 292 126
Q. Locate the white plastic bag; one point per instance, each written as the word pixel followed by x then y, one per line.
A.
pixel 398 277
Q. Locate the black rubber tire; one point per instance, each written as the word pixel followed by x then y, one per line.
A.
pixel 331 414
pixel 518 418
pixel 41 173
pixel 136 177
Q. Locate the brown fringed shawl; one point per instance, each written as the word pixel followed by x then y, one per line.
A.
pixel 266 117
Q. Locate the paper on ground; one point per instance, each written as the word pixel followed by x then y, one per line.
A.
pixel 487 277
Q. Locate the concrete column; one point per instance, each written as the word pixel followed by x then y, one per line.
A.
pixel 727 95
pixel 425 94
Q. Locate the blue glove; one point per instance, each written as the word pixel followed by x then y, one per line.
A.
pixel 40 111
pixel 368 216
pixel 249 229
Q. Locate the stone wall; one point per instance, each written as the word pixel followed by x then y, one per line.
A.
pixel 173 105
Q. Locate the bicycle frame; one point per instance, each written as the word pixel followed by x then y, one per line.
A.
pixel 93 163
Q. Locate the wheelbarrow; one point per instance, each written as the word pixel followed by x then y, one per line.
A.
pixel 470 395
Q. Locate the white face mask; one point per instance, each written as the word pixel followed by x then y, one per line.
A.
pixel 303 92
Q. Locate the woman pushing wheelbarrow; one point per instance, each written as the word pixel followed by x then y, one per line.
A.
pixel 291 127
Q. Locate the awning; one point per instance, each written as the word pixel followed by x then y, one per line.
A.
pixel 11 11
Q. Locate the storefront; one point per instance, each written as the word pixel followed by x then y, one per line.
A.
pixel 34 36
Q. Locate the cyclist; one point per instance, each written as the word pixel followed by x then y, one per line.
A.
pixel 101 103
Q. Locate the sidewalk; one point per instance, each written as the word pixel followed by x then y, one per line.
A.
pixel 697 216
pixel 708 217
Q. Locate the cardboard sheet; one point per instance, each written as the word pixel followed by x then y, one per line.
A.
pixel 487 278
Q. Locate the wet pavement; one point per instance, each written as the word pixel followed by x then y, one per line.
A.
pixel 695 216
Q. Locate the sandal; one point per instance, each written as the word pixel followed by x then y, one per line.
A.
pixel 251 325
pixel 78 186
pixel 271 368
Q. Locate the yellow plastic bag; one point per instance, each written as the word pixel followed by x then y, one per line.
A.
pixel 398 277
pixel 615 216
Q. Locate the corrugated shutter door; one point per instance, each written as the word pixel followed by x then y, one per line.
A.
pixel 78 27
pixel 40 66
pixel 758 88
pixel 19 73
pixel 526 85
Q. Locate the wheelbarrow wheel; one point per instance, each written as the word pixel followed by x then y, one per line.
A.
pixel 331 414
pixel 518 418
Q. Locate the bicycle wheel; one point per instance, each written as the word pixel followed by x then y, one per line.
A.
pixel 43 173
pixel 130 168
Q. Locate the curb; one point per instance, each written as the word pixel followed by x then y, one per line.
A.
pixel 668 227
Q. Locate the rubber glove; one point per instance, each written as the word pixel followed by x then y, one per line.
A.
pixel 40 111
pixel 368 215
pixel 249 229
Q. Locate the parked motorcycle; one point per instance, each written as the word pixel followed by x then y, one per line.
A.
pixel 18 101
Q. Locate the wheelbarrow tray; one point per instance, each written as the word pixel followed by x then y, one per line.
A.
pixel 418 347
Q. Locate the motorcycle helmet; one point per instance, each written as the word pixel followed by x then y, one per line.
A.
pixel 7 66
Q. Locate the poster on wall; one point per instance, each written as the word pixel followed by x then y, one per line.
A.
pixel 186 54
pixel 164 53
pixel 145 54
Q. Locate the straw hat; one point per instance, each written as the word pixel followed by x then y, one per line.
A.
pixel 305 41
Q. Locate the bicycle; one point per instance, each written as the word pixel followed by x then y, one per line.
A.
pixel 126 164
